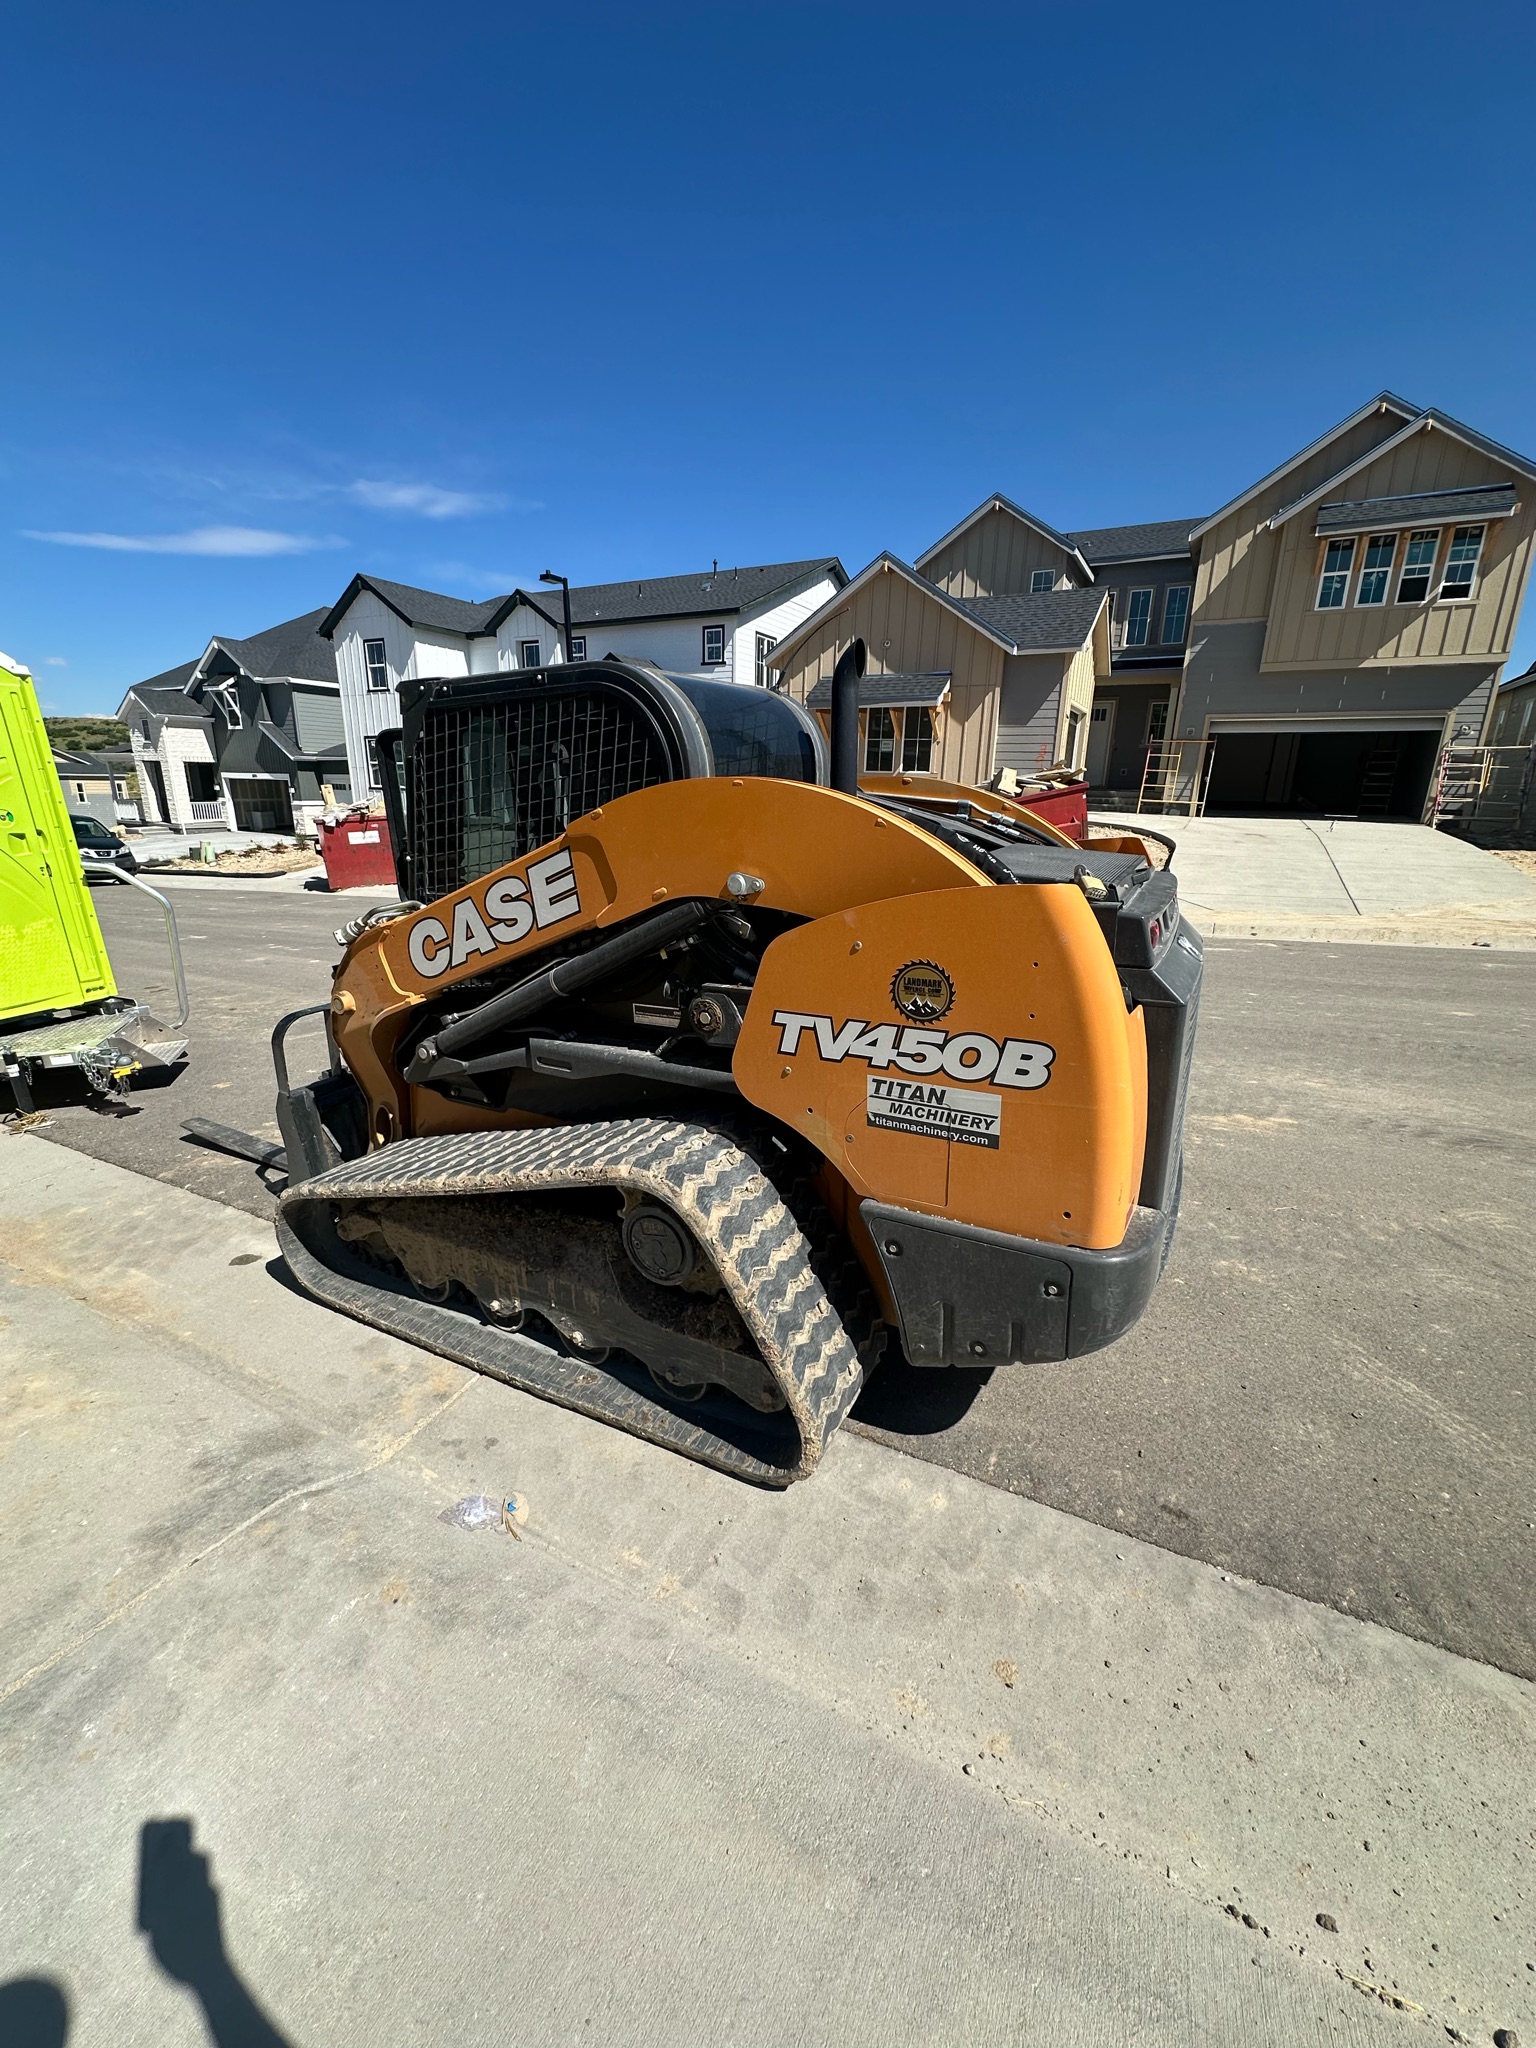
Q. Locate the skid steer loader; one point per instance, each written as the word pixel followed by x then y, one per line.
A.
pixel 686 1076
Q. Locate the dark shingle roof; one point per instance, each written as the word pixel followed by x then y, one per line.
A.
pixel 1357 515
pixel 172 679
pixel 1038 621
pixel 295 648
pixel 672 597
pixel 427 608
pixel 114 763
pixel 876 691
pixel 1135 543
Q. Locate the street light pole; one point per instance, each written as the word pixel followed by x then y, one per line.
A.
pixel 549 576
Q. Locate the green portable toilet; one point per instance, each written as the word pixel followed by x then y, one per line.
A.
pixel 52 956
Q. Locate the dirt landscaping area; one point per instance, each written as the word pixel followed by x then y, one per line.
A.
pixel 246 860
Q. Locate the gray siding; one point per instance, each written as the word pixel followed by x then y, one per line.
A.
pixel 317 720
pixel 1222 679
pixel 1029 710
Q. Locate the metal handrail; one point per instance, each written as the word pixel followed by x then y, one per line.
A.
pixel 183 1002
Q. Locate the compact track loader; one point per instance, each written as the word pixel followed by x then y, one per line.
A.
pixel 686 1077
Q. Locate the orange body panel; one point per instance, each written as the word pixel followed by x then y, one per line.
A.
pixel 1027 966
pixel 937 787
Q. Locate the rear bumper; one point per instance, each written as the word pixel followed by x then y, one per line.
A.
pixel 967 1296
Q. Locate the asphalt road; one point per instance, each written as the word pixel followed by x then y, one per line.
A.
pixel 1333 1390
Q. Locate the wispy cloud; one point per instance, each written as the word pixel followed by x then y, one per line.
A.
pixel 199 540
pixel 465 576
pixel 54 661
pixel 429 501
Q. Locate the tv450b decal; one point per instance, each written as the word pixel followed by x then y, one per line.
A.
pixel 963 1055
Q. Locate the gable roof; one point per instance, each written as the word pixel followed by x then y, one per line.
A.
pixel 427 608
pixel 1042 622
pixel 1429 421
pixel 294 648
pixel 705 592
pixel 998 503
pixel 1151 541
pixel 651 597
pixel 1384 401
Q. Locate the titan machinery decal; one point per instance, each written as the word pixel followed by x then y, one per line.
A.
pixel 513 908
pixel 969 1116
pixel 962 1055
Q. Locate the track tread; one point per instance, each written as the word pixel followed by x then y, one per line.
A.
pixel 709 1179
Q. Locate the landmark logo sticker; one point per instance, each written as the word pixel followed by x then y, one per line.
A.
pixel 922 991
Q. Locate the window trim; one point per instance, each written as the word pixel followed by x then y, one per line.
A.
pixel 375 768
pixel 708 660
pixel 578 647
pixel 1176 590
pixel 888 713
pixel 1386 574
pixel 912 737
pixel 1469 595
pixel 1036 587
pixel 763 646
pixel 1341 575
pixel 369 665
pixel 1149 592
pixel 522 656
pixel 1434 533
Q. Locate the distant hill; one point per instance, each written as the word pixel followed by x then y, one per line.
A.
pixel 86 735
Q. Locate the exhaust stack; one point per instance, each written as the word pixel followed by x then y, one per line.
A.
pixel 845 718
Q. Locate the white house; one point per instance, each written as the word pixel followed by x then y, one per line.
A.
pixel 720 623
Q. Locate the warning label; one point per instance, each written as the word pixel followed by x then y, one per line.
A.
pixel 966 1116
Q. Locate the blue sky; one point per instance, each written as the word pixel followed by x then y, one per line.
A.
pixel 456 294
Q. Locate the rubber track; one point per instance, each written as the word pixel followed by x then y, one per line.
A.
pixel 719 1191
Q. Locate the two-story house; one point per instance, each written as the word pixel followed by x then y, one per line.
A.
pixel 1352 612
pixel 244 737
pixel 720 623
pixel 1312 646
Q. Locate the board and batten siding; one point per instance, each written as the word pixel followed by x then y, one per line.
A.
pixel 995 557
pixel 907 632
pixel 1236 558
pixel 408 651
pixel 1360 635
pixel 317 719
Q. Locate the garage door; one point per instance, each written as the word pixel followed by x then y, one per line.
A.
pixel 1324 768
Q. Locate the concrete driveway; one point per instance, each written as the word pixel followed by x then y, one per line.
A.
pixel 1344 879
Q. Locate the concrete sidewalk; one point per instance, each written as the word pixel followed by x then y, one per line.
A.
pixel 895 1757
pixel 1343 879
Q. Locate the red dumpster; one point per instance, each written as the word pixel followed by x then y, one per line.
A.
pixel 356 852
pixel 1064 805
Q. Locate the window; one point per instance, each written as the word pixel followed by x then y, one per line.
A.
pixel 79 792
pixel 1461 562
pixel 578 647
pixel 1338 560
pixel 1075 730
pixel 1175 616
pixel 762 674
pixel 1138 618
pixel 375 778
pixel 1157 723
pixel 880 743
pixel 378 667
pixel 1418 566
pixel 528 653
pixel 1377 571
pixel 1042 579
pixel 917 740
pixel 714 646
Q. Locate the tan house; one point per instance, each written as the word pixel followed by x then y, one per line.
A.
pixel 958 685
pixel 1310 647
pixel 1352 612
